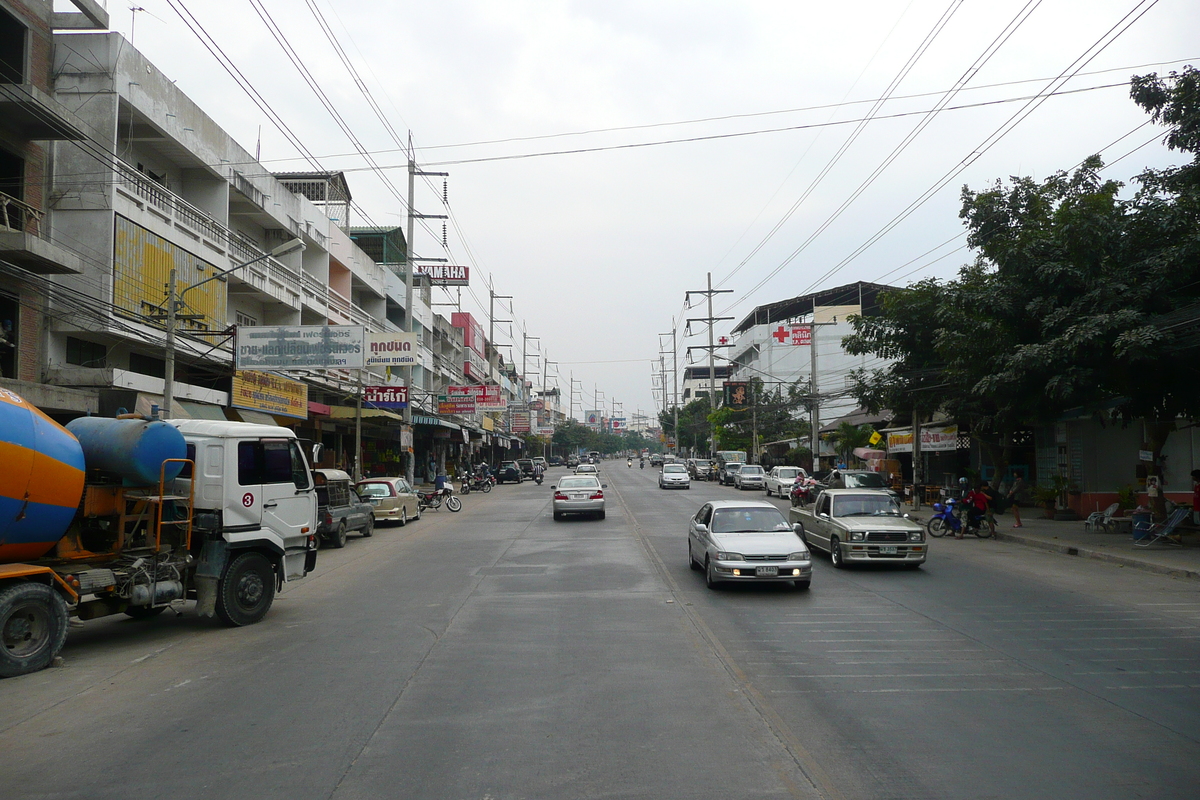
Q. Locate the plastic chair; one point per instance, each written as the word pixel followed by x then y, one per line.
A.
pixel 1100 519
pixel 1162 531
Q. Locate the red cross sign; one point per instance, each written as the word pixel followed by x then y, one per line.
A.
pixel 724 340
pixel 781 334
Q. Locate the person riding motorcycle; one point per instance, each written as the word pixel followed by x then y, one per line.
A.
pixel 641 463
pixel 630 462
pixel 537 473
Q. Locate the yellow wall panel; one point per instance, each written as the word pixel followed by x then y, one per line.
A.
pixel 142 262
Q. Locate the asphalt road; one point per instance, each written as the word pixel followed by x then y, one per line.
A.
pixel 498 654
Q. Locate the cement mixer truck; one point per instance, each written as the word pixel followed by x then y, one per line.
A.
pixel 134 516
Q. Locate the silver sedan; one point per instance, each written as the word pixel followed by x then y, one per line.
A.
pixel 732 541
pixel 674 476
pixel 579 494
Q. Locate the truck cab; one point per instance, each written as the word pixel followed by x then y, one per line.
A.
pixel 861 526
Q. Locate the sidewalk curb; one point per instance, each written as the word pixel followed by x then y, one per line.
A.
pixel 1099 555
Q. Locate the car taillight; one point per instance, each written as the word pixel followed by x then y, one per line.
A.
pixel 597 496
pixel 559 496
pixel 328 519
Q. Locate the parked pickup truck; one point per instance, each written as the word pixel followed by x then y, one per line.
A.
pixel 339 507
pixel 861 526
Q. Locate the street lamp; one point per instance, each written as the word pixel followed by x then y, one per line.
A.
pixel 174 301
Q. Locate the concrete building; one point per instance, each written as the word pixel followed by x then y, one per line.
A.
pixel 32 249
pixel 774 343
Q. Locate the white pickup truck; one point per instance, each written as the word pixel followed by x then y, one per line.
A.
pixel 861 526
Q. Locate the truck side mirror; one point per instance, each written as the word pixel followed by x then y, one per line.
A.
pixel 317 450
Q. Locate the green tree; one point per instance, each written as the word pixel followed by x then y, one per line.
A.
pixel 846 437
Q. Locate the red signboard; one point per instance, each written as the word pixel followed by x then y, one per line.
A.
pixel 520 422
pixel 487 398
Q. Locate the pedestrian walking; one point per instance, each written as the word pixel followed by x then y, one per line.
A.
pixel 1016 496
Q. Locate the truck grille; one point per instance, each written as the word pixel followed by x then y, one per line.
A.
pixel 887 536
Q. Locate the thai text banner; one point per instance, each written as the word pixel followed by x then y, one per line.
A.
pixel 285 347
pixel 933 439
pixel 386 396
pixel 487 398
pixel 391 349
pixel 261 391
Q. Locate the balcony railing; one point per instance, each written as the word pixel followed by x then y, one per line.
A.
pixel 269 276
pixel 17 215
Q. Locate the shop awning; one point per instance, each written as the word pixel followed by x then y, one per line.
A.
pixel 342 412
pixel 421 419
pixel 256 417
pixel 202 410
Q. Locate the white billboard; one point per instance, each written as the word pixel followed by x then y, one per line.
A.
pixel 391 349
pixel 287 347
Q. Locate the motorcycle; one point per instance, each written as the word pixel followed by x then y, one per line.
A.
pixel 478 483
pixel 537 478
pixel 630 463
pixel 945 520
pixel 802 492
pixel 641 465
pixel 435 499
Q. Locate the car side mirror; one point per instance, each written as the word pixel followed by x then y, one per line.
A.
pixel 604 486
pixel 797 528
pixel 701 527
pixel 554 488
pixel 822 514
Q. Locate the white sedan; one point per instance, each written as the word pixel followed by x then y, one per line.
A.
pixel 746 541
pixel 674 476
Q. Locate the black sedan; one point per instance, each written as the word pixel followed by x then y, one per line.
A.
pixel 509 472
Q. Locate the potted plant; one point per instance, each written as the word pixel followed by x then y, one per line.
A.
pixel 1127 497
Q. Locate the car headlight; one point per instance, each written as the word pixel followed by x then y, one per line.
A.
pixel 916 536
pixel 723 555
pixel 856 536
pixel 799 555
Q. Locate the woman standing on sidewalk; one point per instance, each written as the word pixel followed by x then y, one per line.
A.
pixel 1016 495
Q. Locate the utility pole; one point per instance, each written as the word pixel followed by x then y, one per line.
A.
pixel 492 298
pixel 674 380
pixel 525 337
pixel 816 399
pixel 409 317
pixel 711 348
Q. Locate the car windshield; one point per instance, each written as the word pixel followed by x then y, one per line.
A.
pixel 579 483
pixel 750 470
pixel 789 474
pixel 507 464
pixel 732 467
pixel 375 489
pixel 748 520
pixel 864 480
pixel 587 468
pixel 668 468
pixel 866 505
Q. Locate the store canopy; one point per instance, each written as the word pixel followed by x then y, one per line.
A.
pixel 420 419
pixel 202 410
pixel 342 412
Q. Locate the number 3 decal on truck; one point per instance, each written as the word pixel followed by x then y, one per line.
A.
pixel 247 500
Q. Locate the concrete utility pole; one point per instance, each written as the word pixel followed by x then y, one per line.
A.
pixel 711 348
pixel 674 380
pixel 410 318
pixel 525 337
pixel 492 298
pixel 816 399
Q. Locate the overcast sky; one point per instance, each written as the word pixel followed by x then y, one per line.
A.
pixel 751 102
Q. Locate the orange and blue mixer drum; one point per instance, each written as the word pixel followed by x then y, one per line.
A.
pixel 41 480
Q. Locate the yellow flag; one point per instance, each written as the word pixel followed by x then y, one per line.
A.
pixel 875 438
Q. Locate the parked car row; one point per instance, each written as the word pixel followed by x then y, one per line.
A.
pixel 344 507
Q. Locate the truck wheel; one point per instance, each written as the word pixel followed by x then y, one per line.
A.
pixel 339 536
pixel 370 529
pixel 245 594
pixel 33 628
pixel 835 554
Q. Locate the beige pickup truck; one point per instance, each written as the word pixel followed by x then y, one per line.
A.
pixel 860 526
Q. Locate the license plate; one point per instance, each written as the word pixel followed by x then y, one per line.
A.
pixel 579 497
pixel 766 572
pixel 888 550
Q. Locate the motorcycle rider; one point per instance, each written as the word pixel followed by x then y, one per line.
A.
pixel 537 472
pixel 630 462
pixel 641 463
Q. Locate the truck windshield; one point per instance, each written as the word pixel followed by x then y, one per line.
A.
pixel 864 480
pixel 865 505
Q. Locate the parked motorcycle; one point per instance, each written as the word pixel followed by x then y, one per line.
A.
pixel 478 483
pixel 437 497
pixel 946 520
